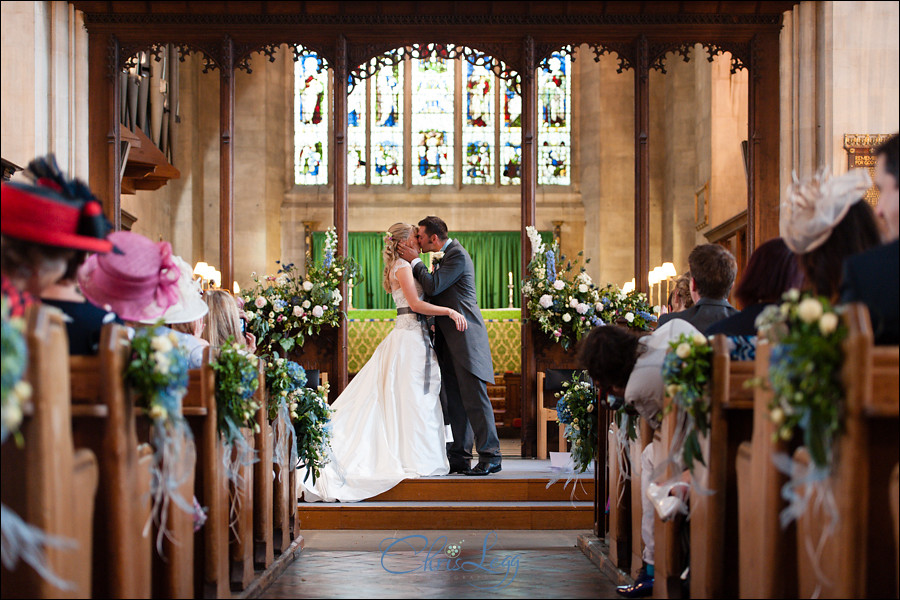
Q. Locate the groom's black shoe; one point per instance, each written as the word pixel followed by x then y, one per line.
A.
pixel 484 468
pixel 459 467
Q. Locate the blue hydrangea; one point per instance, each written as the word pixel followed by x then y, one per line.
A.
pixel 562 412
pixel 278 304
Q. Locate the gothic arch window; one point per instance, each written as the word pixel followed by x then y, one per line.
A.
pixel 433 121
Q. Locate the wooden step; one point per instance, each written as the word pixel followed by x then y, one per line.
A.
pixel 486 489
pixel 447 515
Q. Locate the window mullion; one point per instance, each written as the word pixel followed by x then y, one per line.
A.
pixel 458 108
pixel 407 122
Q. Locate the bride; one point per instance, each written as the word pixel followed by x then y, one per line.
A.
pixel 388 424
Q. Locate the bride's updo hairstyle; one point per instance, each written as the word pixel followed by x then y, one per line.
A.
pixel 396 234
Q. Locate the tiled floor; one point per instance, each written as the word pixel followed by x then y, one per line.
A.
pixel 514 564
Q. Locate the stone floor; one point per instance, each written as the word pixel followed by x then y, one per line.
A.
pixel 502 564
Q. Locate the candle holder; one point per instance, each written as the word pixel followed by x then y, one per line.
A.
pixel 511 288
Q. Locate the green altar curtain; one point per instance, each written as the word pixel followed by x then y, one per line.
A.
pixel 495 254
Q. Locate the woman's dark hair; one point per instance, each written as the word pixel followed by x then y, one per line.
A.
pixel 72 267
pixel 771 271
pixel 890 149
pixel 857 232
pixel 21 258
pixel 434 226
pixel 609 353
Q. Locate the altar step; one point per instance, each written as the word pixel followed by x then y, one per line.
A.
pixel 515 498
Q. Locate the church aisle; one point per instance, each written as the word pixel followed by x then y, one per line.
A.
pixel 516 564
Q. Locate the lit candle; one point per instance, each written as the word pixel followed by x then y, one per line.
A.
pixel 510 278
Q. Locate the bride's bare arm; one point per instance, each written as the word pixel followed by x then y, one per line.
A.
pixel 407 284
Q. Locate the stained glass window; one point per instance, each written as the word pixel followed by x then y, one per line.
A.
pixel 510 135
pixel 387 125
pixel 356 135
pixel 478 125
pixel 432 121
pixel 554 121
pixel 310 122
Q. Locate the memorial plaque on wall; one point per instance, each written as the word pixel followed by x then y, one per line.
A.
pixel 860 149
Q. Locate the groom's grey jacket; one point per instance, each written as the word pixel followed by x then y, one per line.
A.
pixel 452 284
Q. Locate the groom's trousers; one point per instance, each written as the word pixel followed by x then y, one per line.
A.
pixel 468 408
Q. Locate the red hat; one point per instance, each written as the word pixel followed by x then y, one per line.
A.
pixel 41 215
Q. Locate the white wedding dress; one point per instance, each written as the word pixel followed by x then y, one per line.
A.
pixel 385 428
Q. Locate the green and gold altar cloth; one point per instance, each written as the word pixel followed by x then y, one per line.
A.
pixel 504 328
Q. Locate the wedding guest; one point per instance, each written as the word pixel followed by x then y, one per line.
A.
pixel 42 227
pixel 873 277
pixel 825 220
pixel 630 367
pixel 145 284
pixel 680 296
pixel 713 269
pixel 771 271
pixel 224 321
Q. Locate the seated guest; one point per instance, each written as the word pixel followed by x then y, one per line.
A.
pixel 824 220
pixel 43 227
pixel 625 365
pixel 144 285
pixel 771 271
pixel 873 277
pixel 712 274
pixel 224 321
pixel 680 296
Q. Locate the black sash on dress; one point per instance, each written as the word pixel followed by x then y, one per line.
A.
pixel 423 320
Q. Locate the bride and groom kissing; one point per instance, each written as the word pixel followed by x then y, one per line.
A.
pixel 389 423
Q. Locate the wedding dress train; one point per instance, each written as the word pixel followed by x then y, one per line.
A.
pixel 388 424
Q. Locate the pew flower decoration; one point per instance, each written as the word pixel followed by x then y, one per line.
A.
pixel 237 380
pixel 282 309
pixel 687 370
pixel 804 371
pixel 157 377
pixel 630 309
pixel 577 410
pixel 285 387
pixel 312 424
pixel 15 391
pixel 561 297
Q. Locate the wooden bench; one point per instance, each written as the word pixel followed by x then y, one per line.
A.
pixel 619 500
pixel 48 483
pixel 859 559
pixel 240 496
pixel 766 552
pixel 263 484
pixel 545 415
pixel 669 560
pixel 713 520
pixel 103 420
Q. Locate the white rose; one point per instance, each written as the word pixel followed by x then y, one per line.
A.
pixel 828 323
pixel 281 280
pixel 566 317
pixel 437 255
pixel 559 284
pixel 161 343
pixel 810 310
pixel 157 412
pixel 699 339
pixel 792 295
pixel 336 296
pixel 683 350
pixel 298 311
pixel 250 315
pixel 582 308
pixel 573 302
pixel 590 408
pixel 306 304
pixel 11 416
pixel 307 286
pixel 318 311
pixel 777 416
pixel 629 316
pixel 621 295
pixel 583 288
pixel 598 307
pixel 546 301
pixel 260 301
pixel 672 390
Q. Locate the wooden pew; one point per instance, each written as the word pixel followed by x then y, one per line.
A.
pixel 103 420
pixel 859 560
pixel 895 513
pixel 645 436
pixel 619 499
pixel 669 561
pixel 211 554
pixel 48 483
pixel 766 552
pixel 263 485
pixel 713 521
pixel 241 539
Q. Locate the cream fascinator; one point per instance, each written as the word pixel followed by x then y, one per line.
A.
pixel 815 205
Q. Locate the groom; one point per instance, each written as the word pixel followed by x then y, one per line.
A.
pixel 464 356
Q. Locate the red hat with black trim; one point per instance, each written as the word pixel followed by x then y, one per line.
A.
pixel 55 212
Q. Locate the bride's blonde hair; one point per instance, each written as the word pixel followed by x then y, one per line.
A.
pixel 397 233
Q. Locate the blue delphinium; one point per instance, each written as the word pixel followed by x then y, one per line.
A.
pixel 551 265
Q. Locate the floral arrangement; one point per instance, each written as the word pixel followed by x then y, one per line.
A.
pixel 615 306
pixel 687 370
pixel 577 410
pixel 804 371
pixel 311 418
pixel 565 306
pixel 284 308
pixel 285 381
pixel 237 380
pixel 15 391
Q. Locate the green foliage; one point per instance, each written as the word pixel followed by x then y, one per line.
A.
pixel 577 410
pixel 237 380
pixel 312 423
pixel 687 370
pixel 14 361
pixel 157 373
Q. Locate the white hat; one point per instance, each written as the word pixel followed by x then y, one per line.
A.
pixel 815 206
pixel 190 305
